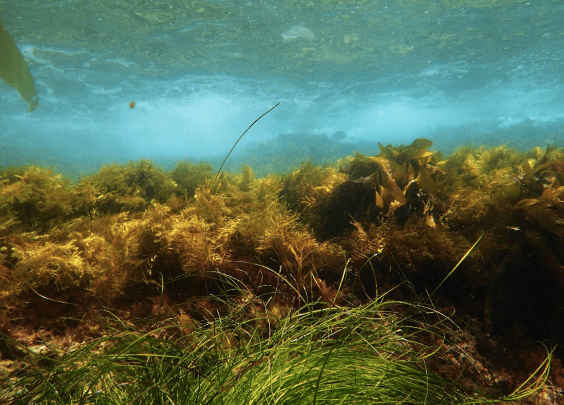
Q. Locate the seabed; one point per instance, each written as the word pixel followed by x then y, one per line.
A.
pixel 459 258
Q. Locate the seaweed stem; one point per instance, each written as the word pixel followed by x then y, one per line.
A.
pixel 458 264
pixel 235 144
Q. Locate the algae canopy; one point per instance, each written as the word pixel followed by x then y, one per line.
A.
pixel 409 154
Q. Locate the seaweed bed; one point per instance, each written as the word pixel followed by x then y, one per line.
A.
pixel 148 248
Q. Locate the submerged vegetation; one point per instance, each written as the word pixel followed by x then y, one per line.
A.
pixel 140 285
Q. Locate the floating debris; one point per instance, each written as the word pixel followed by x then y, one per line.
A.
pixel 14 70
pixel 352 37
pixel 297 31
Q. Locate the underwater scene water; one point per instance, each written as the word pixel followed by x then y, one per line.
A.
pixel 199 72
pixel 390 228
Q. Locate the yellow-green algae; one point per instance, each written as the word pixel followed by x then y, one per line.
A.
pixel 133 235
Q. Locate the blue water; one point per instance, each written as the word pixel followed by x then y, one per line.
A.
pixel 199 72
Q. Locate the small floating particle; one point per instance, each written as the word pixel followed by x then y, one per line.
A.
pixel 351 37
pixel 132 104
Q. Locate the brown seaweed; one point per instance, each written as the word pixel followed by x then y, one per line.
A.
pixel 141 240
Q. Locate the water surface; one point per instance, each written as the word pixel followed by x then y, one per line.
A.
pixel 200 72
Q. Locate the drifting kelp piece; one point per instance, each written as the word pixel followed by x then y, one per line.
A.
pixel 14 70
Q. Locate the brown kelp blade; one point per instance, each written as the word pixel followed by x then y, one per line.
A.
pixel 14 70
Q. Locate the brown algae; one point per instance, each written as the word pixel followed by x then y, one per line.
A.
pixel 142 241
